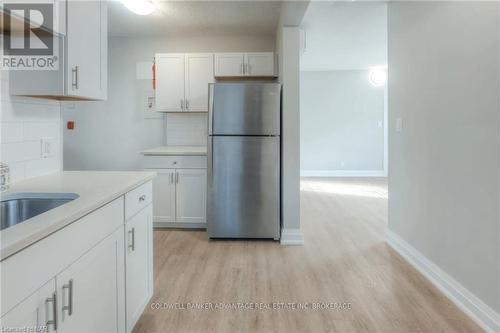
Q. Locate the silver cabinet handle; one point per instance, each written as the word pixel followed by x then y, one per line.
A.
pixel 69 307
pixel 52 321
pixel 142 198
pixel 182 104
pixel 242 68
pixel 74 83
pixel 132 244
pixel 187 104
pixel 176 177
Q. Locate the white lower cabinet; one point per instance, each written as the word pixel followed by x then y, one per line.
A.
pixel 87 290
pixel 179 194
pixel 180 197
pixel 164 196
pixel 98 276
pixel 191 195
pixel 139 264
pixel 37 310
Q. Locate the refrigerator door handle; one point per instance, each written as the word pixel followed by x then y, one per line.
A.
pixel 210 107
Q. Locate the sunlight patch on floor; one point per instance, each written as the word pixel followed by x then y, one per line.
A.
pixel 341 187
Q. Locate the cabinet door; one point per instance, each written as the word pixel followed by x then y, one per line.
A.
pixel 191 195
pixel 259 64
pixel 86 45
pixel 138 264
pixel 169 82
pixel 229 64
pixel 89 289
pixel 37 310
pixel 164 196
pixel 199 73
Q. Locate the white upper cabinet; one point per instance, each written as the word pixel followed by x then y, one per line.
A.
pixel 199 73
pixel 244 64
pixel 169 82
pixel 259 64
pixel 182 81
pixel 229 64
pixel 82 46
pixel 86 49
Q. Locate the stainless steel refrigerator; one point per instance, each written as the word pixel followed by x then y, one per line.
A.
pixel 244 121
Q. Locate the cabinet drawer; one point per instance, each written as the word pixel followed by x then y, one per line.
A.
pixel 171 162
pixel 137 199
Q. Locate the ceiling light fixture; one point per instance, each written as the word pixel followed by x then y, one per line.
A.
pixel 377 76
pixel 139 7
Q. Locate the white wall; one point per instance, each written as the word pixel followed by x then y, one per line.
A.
pixel 344 35
pixel 23 123
pixel 444 83
pixel 109 135
pixel 341 124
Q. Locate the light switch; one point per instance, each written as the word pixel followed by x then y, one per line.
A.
pixel 399 124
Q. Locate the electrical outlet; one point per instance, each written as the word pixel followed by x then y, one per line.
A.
pixel 47 147
pixel 399 125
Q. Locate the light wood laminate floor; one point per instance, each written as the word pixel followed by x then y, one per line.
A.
pixel 344 259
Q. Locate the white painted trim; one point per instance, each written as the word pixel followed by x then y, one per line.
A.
pixel 386 130
pixel 481 313
pixel 178 225
pixel 343 173
pixel 291 237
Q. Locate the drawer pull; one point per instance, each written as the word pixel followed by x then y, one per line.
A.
pixel 142 198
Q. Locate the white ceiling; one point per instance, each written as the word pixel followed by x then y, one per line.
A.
pixel 197 18
pixel 344 35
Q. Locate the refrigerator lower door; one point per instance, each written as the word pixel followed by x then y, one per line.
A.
pixel 243 187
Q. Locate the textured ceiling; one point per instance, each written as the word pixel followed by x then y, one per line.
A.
pixel 344 35
pixel 197 18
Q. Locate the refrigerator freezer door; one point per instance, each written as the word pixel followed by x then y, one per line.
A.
pixel 245 109
pixel 243 187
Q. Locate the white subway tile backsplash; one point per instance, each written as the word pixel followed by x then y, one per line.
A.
pixel 20 151
pixel 12 132
pixel 41 167
pixel 37 130
pixel 186 129
pixel 17 171
pixel 24 122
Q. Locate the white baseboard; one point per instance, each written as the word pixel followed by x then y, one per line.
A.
pixel 166 225
pixel 343 173
pixel 291 237
pixel 481 313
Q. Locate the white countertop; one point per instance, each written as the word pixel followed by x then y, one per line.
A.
pixel 95 189
pixel 176 150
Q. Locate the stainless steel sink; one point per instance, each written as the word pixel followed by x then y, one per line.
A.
pixel 18 207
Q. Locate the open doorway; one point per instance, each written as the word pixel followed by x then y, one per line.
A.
pixel 344 116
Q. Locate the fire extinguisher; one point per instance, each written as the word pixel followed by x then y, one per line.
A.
pixel 154 75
